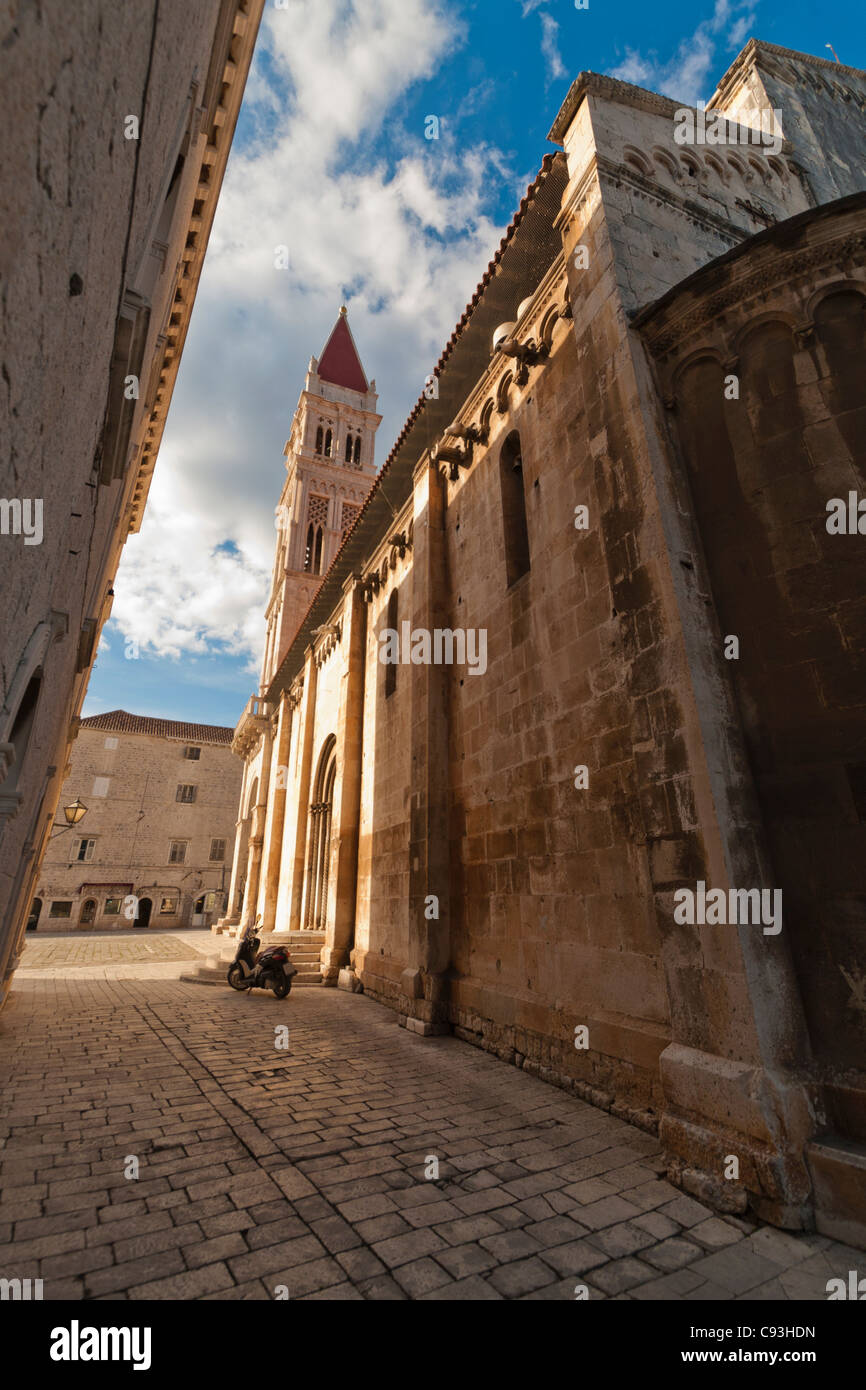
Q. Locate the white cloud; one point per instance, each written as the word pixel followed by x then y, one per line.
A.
pixel 367 208
pixel 685 76
pixel 549 30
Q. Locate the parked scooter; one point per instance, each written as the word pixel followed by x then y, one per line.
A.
pixel 273 969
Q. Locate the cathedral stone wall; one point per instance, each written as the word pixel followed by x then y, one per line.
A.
pixel 383 896
pixel 761 471
pixel 821 108
pixel 552 926
pixel 640 418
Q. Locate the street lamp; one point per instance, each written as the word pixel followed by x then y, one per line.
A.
pixel 73 814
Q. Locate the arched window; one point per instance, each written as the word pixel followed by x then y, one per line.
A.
pixel 513 509
pixel 308 552
pixel 319 853
pixel 357 448
pixel 19 735
pixel 348 456
pixel 391 668
pixel 329 440
pixel 320 434
pixel 317 552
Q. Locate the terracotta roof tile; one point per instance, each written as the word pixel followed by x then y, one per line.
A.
pixel 119 722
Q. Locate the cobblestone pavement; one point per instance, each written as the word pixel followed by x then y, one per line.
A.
pixel 111 948
pixel 305 1168
pixel 130 955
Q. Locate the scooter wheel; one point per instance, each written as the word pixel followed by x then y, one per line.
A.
pixel 235 977
pixel 282 987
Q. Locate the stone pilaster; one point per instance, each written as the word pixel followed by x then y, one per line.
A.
pixel 276 813
pixel 424 983
pixel 252 906
pixel 232 916
pixel 299 837
pixel 346 815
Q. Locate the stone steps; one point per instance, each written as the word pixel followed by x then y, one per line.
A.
pixel 305 948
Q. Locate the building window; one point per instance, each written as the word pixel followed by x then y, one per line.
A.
pixel 348 457
pixel 111 743
pixel 391 668
pixel 100 786
pixel 358 449
pixel 82 850
pixel 317 551
pixel 168 906
pixel 347 516
pixel 177 852
pixel 192 753
pixel 308 552
pixel 185 792
pixel 61 909
pixel 513 509
pixel 112 907
pixel 218 849
pixel 329 440
pixel 320 434
pixel 22 727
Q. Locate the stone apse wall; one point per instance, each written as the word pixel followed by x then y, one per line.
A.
pixel 554 901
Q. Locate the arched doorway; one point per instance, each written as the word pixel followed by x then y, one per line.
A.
pixel 88 912
pixel 319 855
pixel 33 919
pixel 145 907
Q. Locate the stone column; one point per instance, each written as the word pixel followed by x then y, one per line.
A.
pixel 346 813
pixel 308 719
pixel 232 915
pixel 257 831
pixel 423 983
pixel 276 815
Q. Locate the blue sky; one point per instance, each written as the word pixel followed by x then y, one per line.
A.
pixel 330 160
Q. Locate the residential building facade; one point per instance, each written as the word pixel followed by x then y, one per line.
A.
pixel 118 122
pixel 153 848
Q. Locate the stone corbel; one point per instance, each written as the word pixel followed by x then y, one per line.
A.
pixel 450 458
pixel 401 542
pixel 527 355
pixel 371 585
pixel 804 334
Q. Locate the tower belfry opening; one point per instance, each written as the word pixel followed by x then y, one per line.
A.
pixel 329 471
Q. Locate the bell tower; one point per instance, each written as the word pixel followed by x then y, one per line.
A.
pixel 329 471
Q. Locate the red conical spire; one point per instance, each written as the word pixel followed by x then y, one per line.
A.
pixel 339 362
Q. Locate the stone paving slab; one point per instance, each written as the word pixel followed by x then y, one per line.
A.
pixel 312 1168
